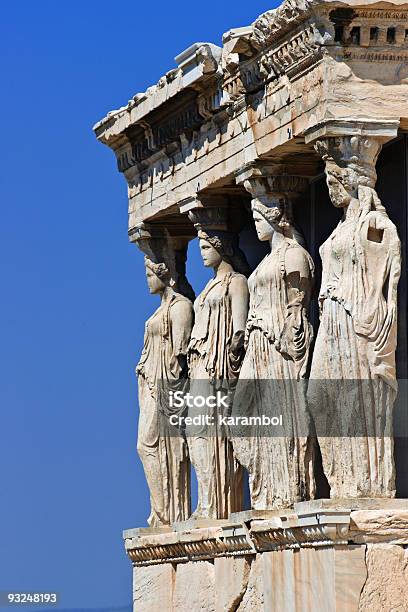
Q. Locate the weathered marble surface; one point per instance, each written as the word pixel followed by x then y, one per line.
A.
pixel 191 590
pixel 302 562
pixel 153 587
pixel 380 526
pixel 232 576
pixel 253 597
pixel 387 577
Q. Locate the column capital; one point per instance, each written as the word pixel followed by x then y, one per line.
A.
pixel 202 200
pixel 357 153
pixel 155 242
pixel 381 130
pixel 147 232
pixel 271 181
pixel 350 150
pixel 214 212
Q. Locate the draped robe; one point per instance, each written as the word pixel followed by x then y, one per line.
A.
pixel 353 380
pixel 212 368
pixel 162 448
pixel 271 383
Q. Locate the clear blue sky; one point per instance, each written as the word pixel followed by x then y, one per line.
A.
pixel 73 296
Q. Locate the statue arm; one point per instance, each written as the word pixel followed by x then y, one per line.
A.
pixel 325 276
pixel 299 278
pixel 392 281
pixel 239 296
pixel 394 254
pixel 296 334
pixel 181 320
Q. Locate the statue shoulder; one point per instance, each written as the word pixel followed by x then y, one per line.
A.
pixel 238 278
pixel 238 283
pixel 181 306
pixel 297 259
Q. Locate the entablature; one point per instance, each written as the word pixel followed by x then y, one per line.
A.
pixel 295 68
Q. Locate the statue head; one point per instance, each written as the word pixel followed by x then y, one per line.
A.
pixel 217 246
pixel 210 256
pixel 271 204
pixel 350 164
pixel 165 260
pixel 274 214
pixel 158 276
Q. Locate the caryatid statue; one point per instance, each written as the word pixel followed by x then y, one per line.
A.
pixel 278 340
pixel 355 346
pixel 215 355
pixel 162 369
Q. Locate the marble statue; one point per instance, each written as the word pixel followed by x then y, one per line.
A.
pixel 355 346
pixel 278 341
pixel 163 367
pixel 215 355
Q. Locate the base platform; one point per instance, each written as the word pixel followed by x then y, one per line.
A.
pixel 321 556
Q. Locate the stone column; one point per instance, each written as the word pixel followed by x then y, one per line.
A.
pixel 162 369
pixel 355 347
pixel 215 356
pixel 277 451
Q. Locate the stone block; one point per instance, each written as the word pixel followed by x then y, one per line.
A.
pixel 349 503
pixel 386 587
pixel 231 581
pixel 350 576
pixel 153 588
pixel 379 526
pixel 194 588
pixel 253 598
pixel 299 580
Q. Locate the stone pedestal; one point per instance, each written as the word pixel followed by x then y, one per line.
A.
pixel 325 556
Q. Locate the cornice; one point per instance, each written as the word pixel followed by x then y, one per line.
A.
pixel 249 534
pixel 196 65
